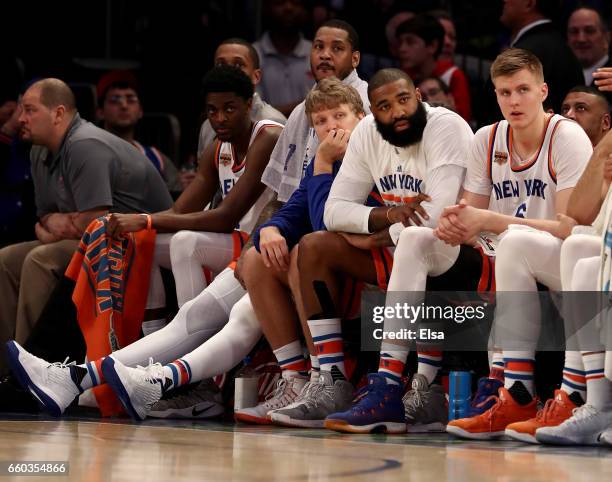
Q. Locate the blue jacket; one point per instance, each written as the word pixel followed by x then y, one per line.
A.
pixel 303 212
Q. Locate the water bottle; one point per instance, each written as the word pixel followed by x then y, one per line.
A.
pixel 459 394
pixel 246 386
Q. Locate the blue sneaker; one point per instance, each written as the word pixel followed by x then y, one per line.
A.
pixel 485 396
pixel 377 407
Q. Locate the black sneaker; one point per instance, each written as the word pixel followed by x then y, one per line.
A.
pixel 15 399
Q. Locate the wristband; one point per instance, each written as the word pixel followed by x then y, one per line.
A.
pixel 149 221
pixel 388 211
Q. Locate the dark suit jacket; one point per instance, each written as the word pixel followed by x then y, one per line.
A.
pixel 562 71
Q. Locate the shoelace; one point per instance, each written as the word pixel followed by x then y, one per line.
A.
pixel 494 408
pixel 314 395
pixel 279 396
pixel 326 394
pixel 154 372
pixel 414 399
pixel 64 364
pixel 61 365
pixel 549 407
pixel 361 393
pixel 582 413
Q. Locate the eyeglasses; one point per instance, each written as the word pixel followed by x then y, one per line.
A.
pixel 118 99
pixel 430 92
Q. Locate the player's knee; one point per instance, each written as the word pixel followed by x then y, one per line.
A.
pixel 318 247
pixel 415 239
pixel 243 315
pixel 252 266
pixel 183 244
pixel 293 276
pixel 511 247
pixel 574 246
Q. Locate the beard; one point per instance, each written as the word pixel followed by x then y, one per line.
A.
pixel 409 136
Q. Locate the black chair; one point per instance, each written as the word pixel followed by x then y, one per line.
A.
pixel 161 130
pixel 86 99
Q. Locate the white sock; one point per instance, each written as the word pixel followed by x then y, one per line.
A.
pixel 291 359
pixel 574 377
pixel 599 388
pixel 327 338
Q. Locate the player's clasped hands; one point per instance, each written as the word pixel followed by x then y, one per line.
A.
pixel 273 249
pixel 412 211
pixel 459 224
pixel 125 223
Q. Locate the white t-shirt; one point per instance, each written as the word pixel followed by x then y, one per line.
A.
pixel 400 174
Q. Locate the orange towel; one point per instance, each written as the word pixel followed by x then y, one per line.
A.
pixel 112 283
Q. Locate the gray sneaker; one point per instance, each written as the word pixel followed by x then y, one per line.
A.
pixel 426 406
pixel 316 401
pixel 203 400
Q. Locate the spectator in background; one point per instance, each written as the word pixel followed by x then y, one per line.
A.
pixel 420 44
pixel 531 28
pixel 372 62
pixel 241 54
pixel 119 110
pixel 7 107
pixel 589 38
pixel 284 54
pixel 450 35
pixel 17 208
pixel 590 108
pixel 391 30
pixel 436 93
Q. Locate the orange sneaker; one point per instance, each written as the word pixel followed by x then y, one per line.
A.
pixel 492 423
pixel 555 411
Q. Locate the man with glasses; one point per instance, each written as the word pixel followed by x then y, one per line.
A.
pixel 119 109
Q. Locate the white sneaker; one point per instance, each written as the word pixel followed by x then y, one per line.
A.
pixel 582 428
pixel 203 400
pixel 286 392
pixel 137 388
pixel 50 383
pixel 605 438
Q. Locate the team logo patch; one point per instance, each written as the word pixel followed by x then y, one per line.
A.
pixel 501 157
pixel 225 159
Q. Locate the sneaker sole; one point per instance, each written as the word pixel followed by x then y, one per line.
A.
pixel 426 427
pixel 44 400
pixel 112 378
pixel 459 432
pixel 384 427
pixel 287 421
pixel 187 413
pixel 243 417
pixel 521 436
pixel 557 440
pixel 605 440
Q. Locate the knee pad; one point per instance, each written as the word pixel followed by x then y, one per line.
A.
pixel 183 244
